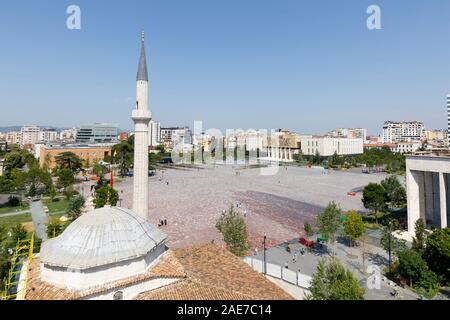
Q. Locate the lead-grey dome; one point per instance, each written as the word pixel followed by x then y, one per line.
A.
pixel 100 237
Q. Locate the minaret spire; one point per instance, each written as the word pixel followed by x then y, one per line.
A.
pixel 142 69
pixel 141 118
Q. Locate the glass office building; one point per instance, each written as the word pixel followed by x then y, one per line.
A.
pixel 98 133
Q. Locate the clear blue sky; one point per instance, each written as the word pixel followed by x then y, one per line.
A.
pixel 308 66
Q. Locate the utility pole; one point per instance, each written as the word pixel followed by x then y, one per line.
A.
pixel 265 261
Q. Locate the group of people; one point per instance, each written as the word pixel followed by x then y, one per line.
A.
pixel 294 256
pixel 162 222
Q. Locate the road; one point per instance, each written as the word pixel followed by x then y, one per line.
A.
pixel 2 215
pixel 40 219
pixel 350 257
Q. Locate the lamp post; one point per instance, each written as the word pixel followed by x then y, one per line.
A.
pixel 264 250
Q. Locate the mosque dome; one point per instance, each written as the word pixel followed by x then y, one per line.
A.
pixel 100 237
pixel 101 246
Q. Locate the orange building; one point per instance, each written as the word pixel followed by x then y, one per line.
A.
pixel 87 153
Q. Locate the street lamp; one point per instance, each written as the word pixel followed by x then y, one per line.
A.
pixel 264 250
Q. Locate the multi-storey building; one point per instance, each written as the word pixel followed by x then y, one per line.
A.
pixel 448 118
pixel 173 136
pixel 30 135
pixel 353 133
pixel 403 131
pixel 98 133
pixel 68 135
pixel 282 146
pixel 154 133
pixel 13 137
pixel 327 146
pixel 48 135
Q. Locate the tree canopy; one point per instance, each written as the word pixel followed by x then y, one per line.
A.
pixel 437 252
pixel 354 226
pixel 332 281
pixel 106 195
pixel 68 160
pixel 394 191
pixel 234 230
pixel 328 221
pixel 374 197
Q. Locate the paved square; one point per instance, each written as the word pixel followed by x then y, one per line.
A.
pixel 192 199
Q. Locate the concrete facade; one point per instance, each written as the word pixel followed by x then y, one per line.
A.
pixel 327 146
pixel 428 191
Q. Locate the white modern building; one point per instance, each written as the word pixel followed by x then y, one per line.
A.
pixel 448 119
pixel 154 133
pixel 394 132
pixel 406 147
pixel 68 134
pixel 428 191
pixel 48 135
pixel 30 135
pixel 173 136
pixel 327 146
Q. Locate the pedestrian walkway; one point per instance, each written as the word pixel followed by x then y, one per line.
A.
pixel 40 219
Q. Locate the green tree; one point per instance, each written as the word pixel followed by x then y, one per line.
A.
pixel 437 252
pixel 332 281
pixel 65 178
pixel 123 155
pixel 395 192
pixel 75 206
pixel 106 195
pixel 413 268
pixel 99 170
pixel 328 221
pixel 420 236
pixel 391 244
pixel 316 159
pixel 68 160
pixel 17 160
pixel 54 228
pixel 354 226
pixel 308 229
pixel 18 232
pixel 374 198
pixel 234 231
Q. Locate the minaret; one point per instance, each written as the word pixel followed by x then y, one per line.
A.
pixel 141 118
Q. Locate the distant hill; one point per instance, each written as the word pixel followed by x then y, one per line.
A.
pixel 17 128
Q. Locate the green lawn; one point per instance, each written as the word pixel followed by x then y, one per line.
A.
pixel 56 206
pixel 11 221
pixel 24 206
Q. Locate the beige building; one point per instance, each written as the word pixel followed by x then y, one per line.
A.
pixel 327 146
pixel 91 153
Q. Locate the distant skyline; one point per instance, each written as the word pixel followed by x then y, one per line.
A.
pixel 306 66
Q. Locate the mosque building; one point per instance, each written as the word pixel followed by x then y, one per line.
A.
pixel 116 253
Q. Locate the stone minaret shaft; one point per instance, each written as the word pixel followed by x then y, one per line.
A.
pixel 141 118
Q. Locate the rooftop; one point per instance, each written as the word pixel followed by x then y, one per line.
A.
pixel 207 272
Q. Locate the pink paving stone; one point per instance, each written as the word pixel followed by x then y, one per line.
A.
pixel 277 205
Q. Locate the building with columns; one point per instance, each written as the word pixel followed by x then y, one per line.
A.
pixel 282 145
pixel 428 191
